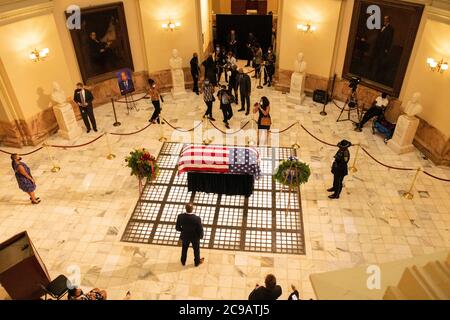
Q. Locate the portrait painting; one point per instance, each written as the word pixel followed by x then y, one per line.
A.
pixel 381 39
pixel 125 81
pixel 101 44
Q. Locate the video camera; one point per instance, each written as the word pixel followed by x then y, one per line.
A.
pixel 354 82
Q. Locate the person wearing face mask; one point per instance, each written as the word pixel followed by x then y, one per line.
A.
pixel 225 105
pixel 208 97
pixel 24 178
pixel 156 97
pixel 264 119
pixel 245 89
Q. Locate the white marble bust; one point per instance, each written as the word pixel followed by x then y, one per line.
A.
pixel 175 62
pixel 58 94
pixel 299 64
pixel 413 107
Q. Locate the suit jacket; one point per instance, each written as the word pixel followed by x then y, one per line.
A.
pixel 195 69
pixel 245 84
pixel 340 164
pixel 88 97
pixel 126 88
pixel 190 227
pixel 262 293
pixel 384 40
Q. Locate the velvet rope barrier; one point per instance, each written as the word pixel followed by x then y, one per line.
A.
pixel 324 142
pixel 433 176
pixel 22 154
pixel 229 133
pixel 182 130
pixel 385 165
pixel 132 101
pixel 131 133
pixel 283 131
pixel 78 145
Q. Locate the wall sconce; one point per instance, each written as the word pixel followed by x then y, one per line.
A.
pixel 171 25
pixel 38 55
pixel 439 66
pixel 306 27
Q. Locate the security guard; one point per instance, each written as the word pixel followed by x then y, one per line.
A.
pixel 339 169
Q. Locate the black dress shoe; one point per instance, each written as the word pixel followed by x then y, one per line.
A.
pixel 88 130
pixel 200 262
pixel 334 196
pixel 240 110
pixel 330 190
pixel 247 113
pixel 95 130
pixel 212 119
pixel 227 126
pixel 183 263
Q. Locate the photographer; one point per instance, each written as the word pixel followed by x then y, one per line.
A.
pixel 377 109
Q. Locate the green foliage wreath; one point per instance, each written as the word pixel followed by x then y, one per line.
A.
pixel 292 172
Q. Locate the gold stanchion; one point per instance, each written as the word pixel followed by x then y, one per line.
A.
pixel 162 138
pixel 409 195
pixel 251 141
pixel 206 140
pixel 353 167
pixel 55 168
pixel 110 155
pixel 296 144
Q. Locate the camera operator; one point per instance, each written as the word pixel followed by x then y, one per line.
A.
pixel 269 62
pixel 377 109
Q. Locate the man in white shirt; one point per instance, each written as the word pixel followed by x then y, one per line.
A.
pixel 84 98
pixel 377 109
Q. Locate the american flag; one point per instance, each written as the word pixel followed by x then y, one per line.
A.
pixel 219 159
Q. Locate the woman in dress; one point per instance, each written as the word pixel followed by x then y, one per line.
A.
pixel 264 119
pixel 208 97
pixel 156 97
pixel 24 178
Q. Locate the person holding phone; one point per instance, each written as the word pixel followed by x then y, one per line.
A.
pixel 264 120
pixel 156 101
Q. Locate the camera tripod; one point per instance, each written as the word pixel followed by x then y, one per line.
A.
pixel 352 104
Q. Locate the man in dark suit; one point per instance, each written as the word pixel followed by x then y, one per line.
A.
pixel 271 291
pixel 339 169
pixel 245 90
pixel 195 72
pixel 84 98
pixel 125 85
pixel 232 42
pixel 191 230
pixel 382 49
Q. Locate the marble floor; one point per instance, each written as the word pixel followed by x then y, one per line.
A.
pixel 86 206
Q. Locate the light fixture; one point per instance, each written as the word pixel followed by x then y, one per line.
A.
pixel 38 55
pixel 306 27
pixel 439 66
pixel 171 25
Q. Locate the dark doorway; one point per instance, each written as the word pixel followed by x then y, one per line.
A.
pixel 259 25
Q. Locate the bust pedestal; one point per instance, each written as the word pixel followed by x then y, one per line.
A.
pixel 179 90
pixel 297 92
pixel 404 134
pixel 68 126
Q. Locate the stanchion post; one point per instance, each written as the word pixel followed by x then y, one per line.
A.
pixel 353 166
pixel 162 138
pixel 409 195
pixel 251 141
pixel 55 168
pixel 110 155
pixel 116 123
pixel 206 139
pixel 296 145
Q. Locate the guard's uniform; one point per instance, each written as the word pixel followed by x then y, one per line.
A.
pixel 339 169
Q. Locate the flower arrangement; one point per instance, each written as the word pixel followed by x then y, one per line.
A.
pixel 292 172
pixel 142 164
